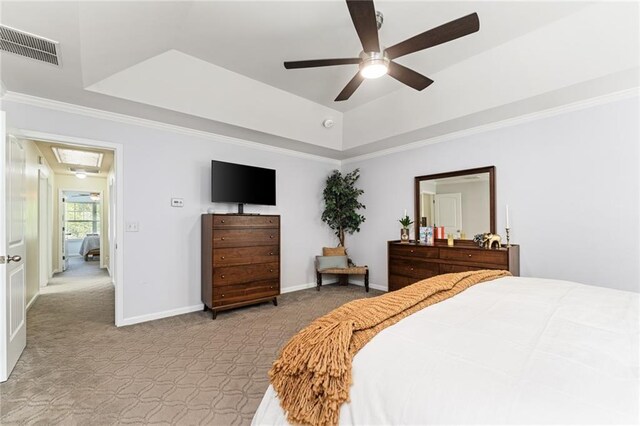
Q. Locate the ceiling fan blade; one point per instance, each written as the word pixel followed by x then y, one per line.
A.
pixel 363 15
pixel 351 87
pixel 435 36
pixel 320 63
pixel 408 76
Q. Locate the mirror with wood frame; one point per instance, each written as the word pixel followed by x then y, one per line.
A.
pixel 462 201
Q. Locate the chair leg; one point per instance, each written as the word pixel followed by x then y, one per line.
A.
pixel 318 280
pixel 366 281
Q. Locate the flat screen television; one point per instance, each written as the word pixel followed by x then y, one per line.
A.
pixel 242 184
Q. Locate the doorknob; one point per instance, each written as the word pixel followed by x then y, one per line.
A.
pixel 10 258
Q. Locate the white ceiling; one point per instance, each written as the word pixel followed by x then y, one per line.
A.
pixel 105 46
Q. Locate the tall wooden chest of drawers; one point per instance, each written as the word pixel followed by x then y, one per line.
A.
pixel 240 260
pixel 410 263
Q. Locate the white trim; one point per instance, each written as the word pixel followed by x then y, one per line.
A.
pixel 298 287
pixel 538 115
pixel 127 119
pixel 119 176
pixel 160 315
pixel 33 299
pixel 378 287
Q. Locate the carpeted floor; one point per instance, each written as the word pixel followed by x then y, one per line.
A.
pixel 79 368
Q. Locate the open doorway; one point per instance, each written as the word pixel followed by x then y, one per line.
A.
pixel 77 211
pixel 82 227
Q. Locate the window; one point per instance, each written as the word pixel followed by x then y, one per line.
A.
pixel 82 219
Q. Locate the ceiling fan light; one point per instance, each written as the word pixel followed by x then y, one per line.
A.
pixel 81 174
pixel 374 69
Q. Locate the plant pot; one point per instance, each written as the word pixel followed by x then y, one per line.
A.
pixel 404 235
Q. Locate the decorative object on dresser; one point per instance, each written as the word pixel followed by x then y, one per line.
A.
pixel 409 263
pixel 240 260
pixel 406 222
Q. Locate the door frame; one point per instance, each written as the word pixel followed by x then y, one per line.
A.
pixel 45 236
pixel 118 244
pixel 102 206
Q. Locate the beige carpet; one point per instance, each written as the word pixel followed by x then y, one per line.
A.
pixel 79 368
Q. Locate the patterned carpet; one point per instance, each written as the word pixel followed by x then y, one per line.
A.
pixel 79 368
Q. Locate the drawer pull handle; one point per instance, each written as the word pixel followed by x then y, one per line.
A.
pixel 222 257
pixel 270 270
pixel 270 254
pixel 270 236
pixel 411 251
pixel 221 276
pixel 223 295
pixel 271 287
pixel 412 269
pixel 222 221
pixel 469 255
pixel 271 221
pixel 222 238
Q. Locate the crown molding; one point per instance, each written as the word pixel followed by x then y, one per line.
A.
pixel 538 115
pixel 128 119
pixel 22 98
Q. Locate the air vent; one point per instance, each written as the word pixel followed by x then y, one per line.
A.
pixel 28 45
pixel 85 169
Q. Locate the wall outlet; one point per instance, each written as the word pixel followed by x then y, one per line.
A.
pixel 132 227
pixel 177 202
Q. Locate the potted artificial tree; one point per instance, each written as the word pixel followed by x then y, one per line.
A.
pixel 341 204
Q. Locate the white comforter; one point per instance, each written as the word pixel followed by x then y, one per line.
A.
pixel 513 350
pixel 90 242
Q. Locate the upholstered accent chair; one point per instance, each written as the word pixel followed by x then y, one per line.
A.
pixel 334 261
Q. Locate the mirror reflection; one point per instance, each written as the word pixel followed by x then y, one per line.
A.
pixel 459 203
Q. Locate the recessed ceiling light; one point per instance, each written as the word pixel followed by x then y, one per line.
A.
pixel 81 174
pixel 75 156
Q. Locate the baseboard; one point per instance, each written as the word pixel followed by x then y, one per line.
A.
pixel 297 288
pixel 371 285
pixel 312 285
pixel 160 315
pixel 33 299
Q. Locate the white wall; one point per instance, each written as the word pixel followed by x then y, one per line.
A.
pixel 162 261
pixel 549 171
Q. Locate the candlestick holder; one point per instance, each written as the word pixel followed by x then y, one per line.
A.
pixel 508 242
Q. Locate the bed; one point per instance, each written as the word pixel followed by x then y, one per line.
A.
pixel 90 246
pixel 509 351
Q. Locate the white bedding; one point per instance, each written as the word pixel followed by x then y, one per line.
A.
pixel 90 242
pixel 513 350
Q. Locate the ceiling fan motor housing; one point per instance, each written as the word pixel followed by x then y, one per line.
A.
pixel 374 59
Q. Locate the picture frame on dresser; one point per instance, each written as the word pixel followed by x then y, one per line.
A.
pixel 240 260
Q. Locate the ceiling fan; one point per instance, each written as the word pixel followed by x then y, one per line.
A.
pixel 375 61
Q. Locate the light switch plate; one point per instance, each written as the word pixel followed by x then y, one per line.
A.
pixel 132 227
pixel 177 202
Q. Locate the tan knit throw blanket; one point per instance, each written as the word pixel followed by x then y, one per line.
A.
pixel 312 376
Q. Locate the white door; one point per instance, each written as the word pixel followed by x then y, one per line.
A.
pixel 13 320
pixel 448 212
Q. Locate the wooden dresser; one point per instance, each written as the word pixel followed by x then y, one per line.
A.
pixel 409 263
pixel 240 260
